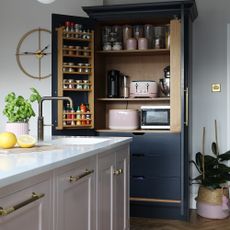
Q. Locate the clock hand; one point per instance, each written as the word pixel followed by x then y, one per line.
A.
pixel 46 47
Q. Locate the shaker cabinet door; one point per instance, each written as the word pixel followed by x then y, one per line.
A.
pixel 106 190
pixel 76 195
pixel 33 208
pixel 122 190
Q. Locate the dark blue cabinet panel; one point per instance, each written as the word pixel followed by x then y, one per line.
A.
pixel 157 188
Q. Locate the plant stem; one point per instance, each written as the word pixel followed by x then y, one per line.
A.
pixel 203 142
pixel 217 147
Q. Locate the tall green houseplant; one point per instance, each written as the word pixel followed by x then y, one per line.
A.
pixel 213 194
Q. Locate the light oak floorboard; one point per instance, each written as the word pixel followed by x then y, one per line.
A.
pixel 196 222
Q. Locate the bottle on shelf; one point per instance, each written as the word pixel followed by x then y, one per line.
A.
pixel 67 29
pixel 83 110
pixel 68 114
pixel 78 116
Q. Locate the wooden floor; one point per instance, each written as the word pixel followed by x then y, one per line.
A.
pixel 195 223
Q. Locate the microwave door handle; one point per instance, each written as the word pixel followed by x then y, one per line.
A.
pixel 147 87
pixel 136 87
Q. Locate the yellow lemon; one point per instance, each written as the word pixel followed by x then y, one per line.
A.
pixel 26 141
pixel 7 140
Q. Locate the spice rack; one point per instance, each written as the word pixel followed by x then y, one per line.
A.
pixel 75 72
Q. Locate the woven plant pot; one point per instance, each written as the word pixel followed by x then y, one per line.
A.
pixel 213 203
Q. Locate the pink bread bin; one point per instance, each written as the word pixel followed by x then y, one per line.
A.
pixel 123 119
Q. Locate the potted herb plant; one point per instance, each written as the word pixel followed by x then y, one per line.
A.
pixel 19 110
pixel 213 193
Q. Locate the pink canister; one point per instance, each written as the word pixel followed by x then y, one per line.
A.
pixel 131 44
pixel 142 44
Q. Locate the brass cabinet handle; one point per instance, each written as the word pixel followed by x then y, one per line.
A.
pixel 76 178
pixel 186 107
pixel 7 211
pixel 118 172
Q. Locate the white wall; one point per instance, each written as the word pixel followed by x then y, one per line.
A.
pixel 210 66
pixel 16 18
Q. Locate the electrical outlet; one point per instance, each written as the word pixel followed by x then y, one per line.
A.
pixel 216 87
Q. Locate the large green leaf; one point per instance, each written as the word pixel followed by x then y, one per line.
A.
pixel 214 148
pixel 198 159
pixel 225 156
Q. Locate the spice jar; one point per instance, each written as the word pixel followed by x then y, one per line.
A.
pixel 78 50
pixel 71 50
pixel 65 83
pixel 85 84
pixel 71 83
pixel 87 67
pixel 80 69
pixel 78 84
pixel 86 51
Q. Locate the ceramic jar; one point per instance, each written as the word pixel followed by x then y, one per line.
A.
pixel 131 44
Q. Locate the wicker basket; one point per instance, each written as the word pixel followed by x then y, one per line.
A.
pixel 212 196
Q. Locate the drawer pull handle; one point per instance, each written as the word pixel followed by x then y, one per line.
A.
pixel 118 172
pixel 76 178
pixel 138 154
pixel 34 197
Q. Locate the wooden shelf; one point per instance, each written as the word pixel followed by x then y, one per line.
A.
pixel 77 39
pixel 135 99
pixel 80 73
pixel 78 126
pixel 132 131
pixel 76 56
pixel 135 52
pixel 76 90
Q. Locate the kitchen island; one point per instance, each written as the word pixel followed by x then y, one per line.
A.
pixel 64 183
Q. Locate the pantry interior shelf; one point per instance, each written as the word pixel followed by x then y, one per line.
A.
pixel 81 73
pixel 77 56
pixel 135 99
pixel 80 90
pixel 132 131
pixel 135 52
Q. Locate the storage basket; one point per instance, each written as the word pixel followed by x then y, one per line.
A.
pixel 212 196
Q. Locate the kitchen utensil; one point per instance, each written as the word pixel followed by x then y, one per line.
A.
pixel 113 83
pixel 165 86
pixel 124 86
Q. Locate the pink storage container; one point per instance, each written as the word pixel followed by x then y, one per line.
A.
pixel 123 119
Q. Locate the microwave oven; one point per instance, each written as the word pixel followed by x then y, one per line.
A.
pixel 155 117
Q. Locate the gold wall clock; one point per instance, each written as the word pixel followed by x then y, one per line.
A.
pixel 33 53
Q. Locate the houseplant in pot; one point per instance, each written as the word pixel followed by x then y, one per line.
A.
pixel 213 194
pixel 18 111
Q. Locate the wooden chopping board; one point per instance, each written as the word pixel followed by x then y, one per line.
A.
pixel 36 148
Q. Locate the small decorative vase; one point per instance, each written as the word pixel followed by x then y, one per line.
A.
pixel 18 128
pixel 213 203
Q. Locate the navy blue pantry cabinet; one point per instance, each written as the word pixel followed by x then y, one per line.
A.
pixel 159 171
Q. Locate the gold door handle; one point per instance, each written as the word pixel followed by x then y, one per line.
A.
pixel 34 197
pixel 118 172
pixel 76 178
pixel 186 107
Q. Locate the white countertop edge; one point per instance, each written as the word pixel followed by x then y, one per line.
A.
pixel 51 166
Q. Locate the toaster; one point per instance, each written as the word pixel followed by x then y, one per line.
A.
pixel 143 89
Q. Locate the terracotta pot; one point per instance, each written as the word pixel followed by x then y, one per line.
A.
pixel 18 128
pixel 213 203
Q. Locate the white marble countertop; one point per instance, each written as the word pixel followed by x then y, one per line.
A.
pixel 16 166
